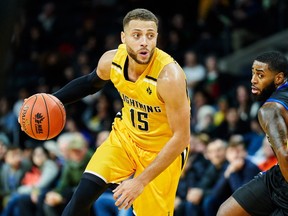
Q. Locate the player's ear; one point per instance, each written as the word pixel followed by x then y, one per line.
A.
pixel 123 37
pixel 279 78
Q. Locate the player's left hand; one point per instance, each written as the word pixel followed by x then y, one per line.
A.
pixel 127 192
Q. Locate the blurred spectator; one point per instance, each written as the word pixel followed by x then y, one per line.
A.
pixel 200 98
pixel 28 148
pixel 194 70
pixel 11 175
pixel 69 74
pixel 86 30
pixel 254 137
pixel 111 41
pixel 32 193
pixel 22 94
pixel 231 125
pixel 265 157
pixel 239 171
pixel 82 59
pixel 62 142
pixel 78 156
pixel 243 102
pixel 75 124
pixel 100 115
pixel 216 150
pixel 222 107
pixel 43 87
pixel 178 34
pixel 4 144
pixel 247 111
pixel 53 151
pixel 52 65
pixel 8 119
pixel 101 137
pixel 47 16
pixel 49 22
pixel 28 55
pixel 174 45
pixel 193 171
pixel 205 119
pixel 275 12
pixel 216 82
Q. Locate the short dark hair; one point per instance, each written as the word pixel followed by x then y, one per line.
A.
pixel 236 140
pixel 276 61
pixel 140 14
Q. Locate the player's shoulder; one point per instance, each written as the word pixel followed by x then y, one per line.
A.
pixel 270 108
pixel 172 70
pixel 107 58
pixel 109 55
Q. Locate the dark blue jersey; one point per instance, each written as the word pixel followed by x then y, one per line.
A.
pixel 280 96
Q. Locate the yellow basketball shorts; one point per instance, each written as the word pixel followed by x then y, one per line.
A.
pixel 119 158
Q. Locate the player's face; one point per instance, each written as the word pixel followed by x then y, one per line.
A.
pixel 262 81
pixel 140 38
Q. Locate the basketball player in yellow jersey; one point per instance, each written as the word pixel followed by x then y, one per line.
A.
pixel 147 147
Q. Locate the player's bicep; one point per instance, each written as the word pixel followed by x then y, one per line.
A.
pixel 172 90
pixel 273 118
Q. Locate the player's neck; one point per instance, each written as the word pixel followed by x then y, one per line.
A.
pixel 135 70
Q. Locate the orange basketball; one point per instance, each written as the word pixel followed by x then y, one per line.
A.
pixel 42 116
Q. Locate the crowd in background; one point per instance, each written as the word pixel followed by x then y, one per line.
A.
pixel 56 41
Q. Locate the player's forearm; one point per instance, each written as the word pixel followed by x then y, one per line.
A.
pixel 79 88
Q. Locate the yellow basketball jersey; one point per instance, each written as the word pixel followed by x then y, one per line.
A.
pixel 143 114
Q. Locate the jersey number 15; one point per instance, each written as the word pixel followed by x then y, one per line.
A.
pixel 139 120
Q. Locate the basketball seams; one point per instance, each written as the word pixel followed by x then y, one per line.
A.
pixel 62 109
pixel 47 114
pixel 31 116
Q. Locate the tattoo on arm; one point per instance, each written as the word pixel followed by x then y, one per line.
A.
pixel 273 124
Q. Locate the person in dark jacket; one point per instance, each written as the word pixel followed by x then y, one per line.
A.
pixel 215 153
pixel 238 172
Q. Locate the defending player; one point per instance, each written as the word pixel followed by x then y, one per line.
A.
pixel 267 193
